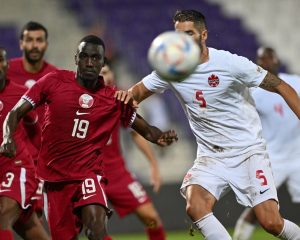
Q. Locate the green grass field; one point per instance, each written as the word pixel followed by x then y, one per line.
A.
pixel 258 235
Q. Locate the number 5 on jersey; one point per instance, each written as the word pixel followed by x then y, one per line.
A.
pixel 200 98
pixel 80 128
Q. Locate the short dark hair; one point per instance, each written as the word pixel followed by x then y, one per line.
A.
pixel 33 26
pixel 93 39
pixel 190 15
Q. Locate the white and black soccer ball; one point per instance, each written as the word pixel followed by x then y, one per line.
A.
pixel 173 55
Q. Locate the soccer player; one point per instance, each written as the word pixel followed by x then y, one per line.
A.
pixel 26 70
pixel 128 196
pixel 282 142
pixel 18 185
pixel 231 151
pixel 80 117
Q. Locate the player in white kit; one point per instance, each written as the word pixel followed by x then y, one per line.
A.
pixel 281 129
pixel 231 151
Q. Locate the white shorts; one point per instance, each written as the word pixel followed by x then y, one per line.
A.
pixel 251 180
pixel 285 172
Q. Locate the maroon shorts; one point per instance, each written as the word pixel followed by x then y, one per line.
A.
pixel 125 193
pixel 20 184
pixel 64 200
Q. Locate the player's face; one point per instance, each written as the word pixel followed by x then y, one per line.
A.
pixel 89 60
pixel 3 64
pixel 34 45
pixel 189 28
pixel 107 75
pixel 268 60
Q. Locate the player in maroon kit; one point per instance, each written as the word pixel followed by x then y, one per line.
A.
pixel 18 185
pixel 128 196
pixel 26 70
pixel 80 117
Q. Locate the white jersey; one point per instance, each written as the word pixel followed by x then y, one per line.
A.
pixel 281 127
pixel 218 104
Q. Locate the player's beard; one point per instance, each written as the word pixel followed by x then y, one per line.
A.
pixel 36 59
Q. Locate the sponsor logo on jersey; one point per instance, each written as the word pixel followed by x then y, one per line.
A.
pixel 78 113
pixel 86 101
pixel 263 191
pixel 87 197
pixel 213 80
pixel 5 190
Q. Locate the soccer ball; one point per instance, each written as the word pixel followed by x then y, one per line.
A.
pixel 173 55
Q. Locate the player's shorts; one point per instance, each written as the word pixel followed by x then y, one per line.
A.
pixel 125 193
pixel 251 180
pixel 19 183
pixel 64 202
pixel 285 172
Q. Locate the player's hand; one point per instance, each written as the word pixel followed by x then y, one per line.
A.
pixel 8 148
pixel 167 138
pixel 155 179
pixel 126 97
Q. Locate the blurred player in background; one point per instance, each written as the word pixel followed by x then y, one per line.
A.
pixel 282 142
pixel 128 195
pixel 26 70
pixel 18 185
pixel 231 151
pixel 80 117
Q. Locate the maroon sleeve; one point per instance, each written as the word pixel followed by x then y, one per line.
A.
pixel 39 92
pixel 128 114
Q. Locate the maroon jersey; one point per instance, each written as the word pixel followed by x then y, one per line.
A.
pixel 17 73
pixel 9 96
pixel 77 125
pixel 112 153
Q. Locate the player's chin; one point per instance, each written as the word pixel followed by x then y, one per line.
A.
pixel 89 76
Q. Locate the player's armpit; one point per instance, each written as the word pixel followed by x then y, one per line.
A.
pixel 270 82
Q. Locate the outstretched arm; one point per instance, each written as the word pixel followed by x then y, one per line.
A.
pixel 134 95
pixel 8 146
pixel 145 147
pixel 153 134
pixel 275 84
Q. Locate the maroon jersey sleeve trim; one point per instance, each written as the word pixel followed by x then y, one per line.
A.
pixel 132 119
pixel 29 100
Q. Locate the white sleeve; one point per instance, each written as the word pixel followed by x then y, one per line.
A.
pixel 246 71
pixel 154 83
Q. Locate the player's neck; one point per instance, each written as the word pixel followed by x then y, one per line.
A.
pixel 91 85
pixel 204 55
pixel 33 67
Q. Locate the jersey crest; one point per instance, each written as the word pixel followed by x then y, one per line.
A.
pixel 86 101
pixel 213 80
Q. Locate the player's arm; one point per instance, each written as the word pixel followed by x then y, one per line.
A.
pixel 152 133
pixel 134 95
pixel 8 146
pixel 274 84
pixel 33 128
pixel 145 147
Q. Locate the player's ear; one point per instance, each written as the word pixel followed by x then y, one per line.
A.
pixel 204 34
pixel 21 44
